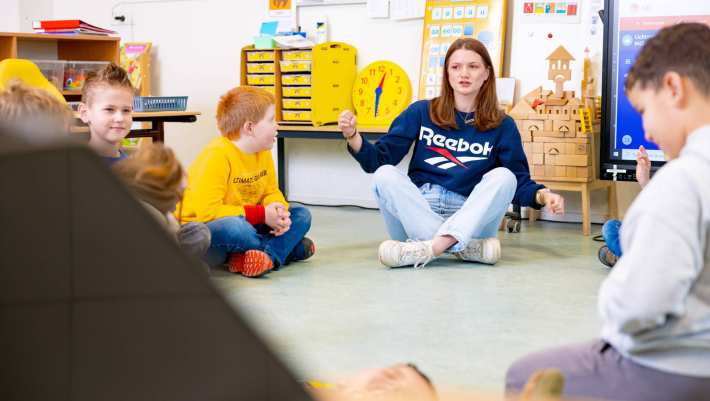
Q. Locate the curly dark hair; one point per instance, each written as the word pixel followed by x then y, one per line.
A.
pixel 683 48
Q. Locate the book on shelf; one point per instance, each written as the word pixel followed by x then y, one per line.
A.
pixel 70 32
pixel 68 26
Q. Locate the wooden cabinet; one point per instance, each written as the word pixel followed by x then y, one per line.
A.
pixel 60 47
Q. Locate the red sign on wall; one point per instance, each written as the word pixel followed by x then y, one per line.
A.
pixel 572 9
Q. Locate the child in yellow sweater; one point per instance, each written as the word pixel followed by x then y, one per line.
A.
pixel 232 188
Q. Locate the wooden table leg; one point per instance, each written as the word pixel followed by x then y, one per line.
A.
pixel 281 162
pixel 532 214
pixel 586 220
pixel 159 128
pixel 613 202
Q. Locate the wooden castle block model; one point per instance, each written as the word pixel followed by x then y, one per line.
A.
pixel 558 130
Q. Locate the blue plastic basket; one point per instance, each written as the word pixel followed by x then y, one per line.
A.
pixel 159 103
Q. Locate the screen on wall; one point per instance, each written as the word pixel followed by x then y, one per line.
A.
pixel 628 25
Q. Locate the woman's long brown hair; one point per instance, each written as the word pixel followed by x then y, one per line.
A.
pixel 442 110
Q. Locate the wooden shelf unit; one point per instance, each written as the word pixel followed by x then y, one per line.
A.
pixel 60 47
pixel 68 47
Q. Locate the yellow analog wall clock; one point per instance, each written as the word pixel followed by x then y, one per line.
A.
pixel 381 91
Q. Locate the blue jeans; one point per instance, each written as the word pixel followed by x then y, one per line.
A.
pixel 610 232
pixel 235 234
pixel 431 210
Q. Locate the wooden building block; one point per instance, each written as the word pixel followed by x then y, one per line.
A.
pixel 551 101
pixel 563 116
pixel 548 125
pixel 541 138
pixel 581 148
pixel 568 128
pixel 560 171
pixel 571 172
pixel 538 158
pixel 538 147
pixel 554 148
pixel 584 172
pixel 532 126
pixel 526 136
pixel 538 171
pixel 549 171
pixel 550 134
pixel 519 124
pixel 527 147
pixel 566 160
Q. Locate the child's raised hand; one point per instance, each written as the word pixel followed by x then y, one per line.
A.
pixel 643 167
pixel 347 123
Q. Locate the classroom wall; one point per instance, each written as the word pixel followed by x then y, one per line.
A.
pixel 197 47
pixel 32 10
pixel 10 16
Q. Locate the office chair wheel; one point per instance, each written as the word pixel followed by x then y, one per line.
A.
pixel 513 226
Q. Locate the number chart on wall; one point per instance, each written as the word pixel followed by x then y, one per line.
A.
pixel 446 21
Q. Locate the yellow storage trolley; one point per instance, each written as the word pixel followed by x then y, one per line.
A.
pixel 259 69
pixel 311 86
pixel 300 54
pixel 296 91
pixel 297 115
pixel 332 75
pixel 296 103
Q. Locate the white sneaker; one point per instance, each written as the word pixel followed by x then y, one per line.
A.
pixel 486 250
pixel 395 253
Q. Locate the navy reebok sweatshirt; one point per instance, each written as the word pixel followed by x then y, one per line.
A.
pixel 453 159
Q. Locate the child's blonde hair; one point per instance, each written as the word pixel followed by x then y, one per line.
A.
pixel 239 105
pixel 22 105
pixel 154 175
pixel 111 75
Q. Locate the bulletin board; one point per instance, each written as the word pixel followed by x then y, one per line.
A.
pixel 446 21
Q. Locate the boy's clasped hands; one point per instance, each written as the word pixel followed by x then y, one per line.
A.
pixel 278 218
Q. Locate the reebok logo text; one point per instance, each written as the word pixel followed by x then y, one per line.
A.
pixel 428 135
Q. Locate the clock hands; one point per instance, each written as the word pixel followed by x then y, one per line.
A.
pixel 378 93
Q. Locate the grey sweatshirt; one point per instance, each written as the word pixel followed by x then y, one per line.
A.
pixel 655 304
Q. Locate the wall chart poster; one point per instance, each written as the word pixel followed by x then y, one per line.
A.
pixel 550 11
pixel 448 20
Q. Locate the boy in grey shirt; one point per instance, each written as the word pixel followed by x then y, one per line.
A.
pixel 655 304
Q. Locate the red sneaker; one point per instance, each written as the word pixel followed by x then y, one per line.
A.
pixel 252 263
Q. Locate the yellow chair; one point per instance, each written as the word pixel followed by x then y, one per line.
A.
pixel 27 72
